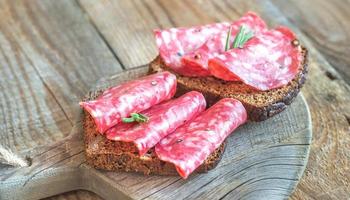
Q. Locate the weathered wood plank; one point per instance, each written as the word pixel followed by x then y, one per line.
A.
pixel 50 55
pixel 125 31
pixel 53 170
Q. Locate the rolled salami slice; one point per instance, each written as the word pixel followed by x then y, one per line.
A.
pixel 134 96
pixel 197 60
pixel 269 60
pixel 162 120
pixel 192 143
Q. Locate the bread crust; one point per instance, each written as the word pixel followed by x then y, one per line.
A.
pixel 278 99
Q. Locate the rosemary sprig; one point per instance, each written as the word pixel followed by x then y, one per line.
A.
pixel 243 35
pixel 227 45
pixel 135 117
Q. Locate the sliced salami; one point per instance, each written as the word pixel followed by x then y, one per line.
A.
pixel 269 60
pixel 197 60
pixel 173 43
pixel 192 143
pixel 134 96
pixel 162 120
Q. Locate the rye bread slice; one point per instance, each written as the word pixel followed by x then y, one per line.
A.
pixel 102 153
pixel 260 105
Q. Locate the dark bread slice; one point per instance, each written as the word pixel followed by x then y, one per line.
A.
pixel 102 153
pixel 260 105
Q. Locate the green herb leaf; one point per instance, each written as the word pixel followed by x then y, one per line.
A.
pixel 227 45
pixel 128 120
pixel 243 35
pixel 237 38
pixel 139 117
pixel 135 117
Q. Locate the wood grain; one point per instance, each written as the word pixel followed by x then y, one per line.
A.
pixel 53 170
pixel 76 195
pixel 131 52
pixel 326 23
pixel 50 55
pixel 263 158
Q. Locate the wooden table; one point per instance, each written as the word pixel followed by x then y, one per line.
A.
pixel 51 52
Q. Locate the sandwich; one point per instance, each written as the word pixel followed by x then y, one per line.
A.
pixel 266 73
pixel 206 81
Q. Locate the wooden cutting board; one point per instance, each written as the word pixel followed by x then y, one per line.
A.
pixel 262 160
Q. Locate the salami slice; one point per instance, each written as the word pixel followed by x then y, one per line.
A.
pixel 173 43
pixel 134 96
pixel 197 60
pixel 269 60
pixel 163 119
pixel 192 143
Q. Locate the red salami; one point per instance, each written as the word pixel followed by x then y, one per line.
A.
pixel 192 143
pixel 134 96
pixel 163 119
pixel 269 60
pixel 173 43
pixel 215 45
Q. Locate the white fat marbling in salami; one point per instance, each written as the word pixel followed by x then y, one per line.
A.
pixel 134 96
pixel 189 145
pixel 269 60
pixel 197 60
pixel 162 120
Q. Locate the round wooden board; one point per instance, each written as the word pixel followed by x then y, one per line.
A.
pixel 263 160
